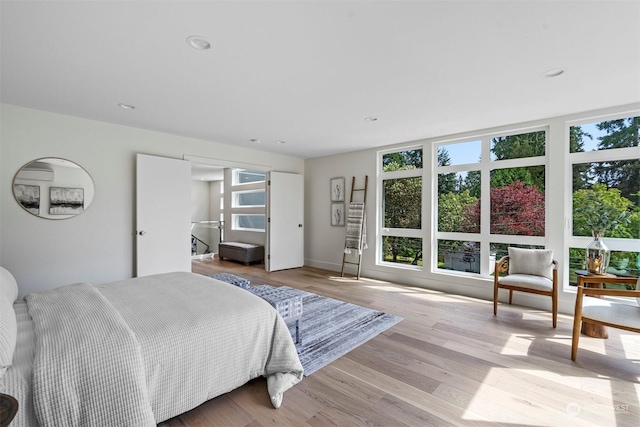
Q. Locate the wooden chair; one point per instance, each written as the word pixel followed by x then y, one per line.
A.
pixel 529 270
pixel 603 312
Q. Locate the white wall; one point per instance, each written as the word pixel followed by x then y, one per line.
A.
pixel 324 243
pixel 201 211
pixel 200 201
pixel 99 245
pixel 215 193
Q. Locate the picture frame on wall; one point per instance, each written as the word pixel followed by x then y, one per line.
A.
pixel 28 196
pixel 337 189
pixel 66 201
pixel 337 214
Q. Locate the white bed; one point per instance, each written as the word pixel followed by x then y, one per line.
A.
pixel 140 351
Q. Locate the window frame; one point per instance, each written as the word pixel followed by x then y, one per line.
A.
pixel 398 232
pixel 235 197
pixel 594 156
pixel 235 218
pixel 485 166
pixel 236 173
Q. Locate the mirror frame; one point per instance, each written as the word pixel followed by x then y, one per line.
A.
pixel 70 193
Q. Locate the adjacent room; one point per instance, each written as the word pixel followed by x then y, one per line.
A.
pixel 309 213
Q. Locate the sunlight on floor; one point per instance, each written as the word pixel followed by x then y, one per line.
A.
pixel 534 407
pixel 631 345
pixel 395 289
pixel 492 403
pixel 353 280
pixel 425 294
pixel 517 345
pixel 442 298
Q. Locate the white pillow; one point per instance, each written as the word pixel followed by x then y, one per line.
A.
pixel 8 285
pixel 536 262
pixel 8 333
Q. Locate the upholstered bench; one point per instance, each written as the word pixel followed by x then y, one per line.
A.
pixel 287 303
pixel 232 279
pixel 243 252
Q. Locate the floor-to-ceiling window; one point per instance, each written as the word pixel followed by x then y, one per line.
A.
pixel 401 218
pixel 490 195
pixel 605 173
pixel 480 194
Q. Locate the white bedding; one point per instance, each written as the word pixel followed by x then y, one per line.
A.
pixel 198 338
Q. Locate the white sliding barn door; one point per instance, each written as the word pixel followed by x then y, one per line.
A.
pixel 163 215
pixel 285 219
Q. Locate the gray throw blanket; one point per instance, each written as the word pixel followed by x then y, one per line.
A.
pixel 356 235
pixel 88 368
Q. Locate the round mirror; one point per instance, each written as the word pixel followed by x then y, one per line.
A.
pixel 53 188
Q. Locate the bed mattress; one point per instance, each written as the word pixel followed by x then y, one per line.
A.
pixel 198 338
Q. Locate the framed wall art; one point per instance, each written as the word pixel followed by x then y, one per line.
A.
pixel 337 189
pixel 66 201
pixel 337 214
pixel 28 196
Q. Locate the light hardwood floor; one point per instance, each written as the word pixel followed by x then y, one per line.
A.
pixel 449 362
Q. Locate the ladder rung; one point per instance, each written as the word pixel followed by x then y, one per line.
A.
pixel 354 263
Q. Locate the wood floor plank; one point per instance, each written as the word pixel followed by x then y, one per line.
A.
pixel 449 362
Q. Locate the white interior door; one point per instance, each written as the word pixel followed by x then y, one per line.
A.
pixel 285 215
pixel 163 215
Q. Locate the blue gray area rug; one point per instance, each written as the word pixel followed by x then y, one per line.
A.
pixel 331 328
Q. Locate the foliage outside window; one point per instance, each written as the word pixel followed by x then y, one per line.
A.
pixel 517 204
pixel 401 183
pixel 606 182
pixel 516 198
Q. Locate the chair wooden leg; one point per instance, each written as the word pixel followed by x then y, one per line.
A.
pixel 554 308
pixel 510 296
pixel 495 300
pixel 575 338
pixel 577 320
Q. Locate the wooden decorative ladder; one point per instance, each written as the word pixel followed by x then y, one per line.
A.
pixel 362 224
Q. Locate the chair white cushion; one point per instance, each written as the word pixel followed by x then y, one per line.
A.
pixel 611 312
pixel 527 281
pixel 537 262
pixel 8 285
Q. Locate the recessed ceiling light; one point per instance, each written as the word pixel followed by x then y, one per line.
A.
pixel 554 73
pixel 198 42
pixel 127 106
pixel 279 142
pixel 257 141
pixel 371 119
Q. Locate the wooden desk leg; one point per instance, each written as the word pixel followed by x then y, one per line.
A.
pixel 591 329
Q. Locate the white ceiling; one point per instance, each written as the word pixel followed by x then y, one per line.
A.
pixel 309 72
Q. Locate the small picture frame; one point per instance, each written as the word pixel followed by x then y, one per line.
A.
pixel 66 201
pixel 337 189
pixel 28 196
pixel 337 214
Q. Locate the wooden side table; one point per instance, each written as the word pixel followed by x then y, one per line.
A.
pixel 591 281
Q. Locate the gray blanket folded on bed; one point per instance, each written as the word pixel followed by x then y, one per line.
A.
pixel 88 368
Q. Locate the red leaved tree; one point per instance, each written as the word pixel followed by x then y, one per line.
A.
pixel 516 209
